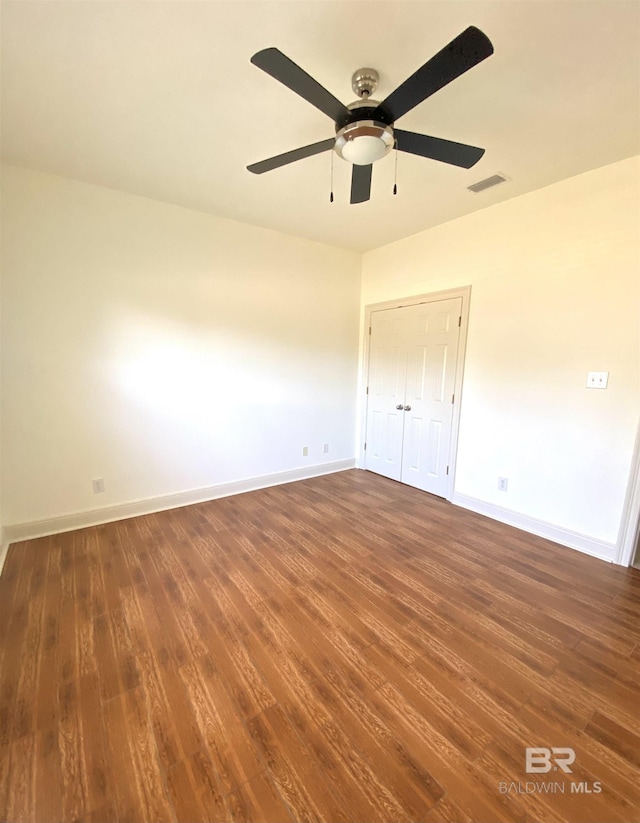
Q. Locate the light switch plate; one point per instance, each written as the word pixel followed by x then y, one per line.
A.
pixel 597 379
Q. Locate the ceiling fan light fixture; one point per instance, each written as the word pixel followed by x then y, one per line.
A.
pixel 364 142
pixel 365 129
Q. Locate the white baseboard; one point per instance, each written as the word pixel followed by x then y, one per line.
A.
pixel 94 517
pixel 566 537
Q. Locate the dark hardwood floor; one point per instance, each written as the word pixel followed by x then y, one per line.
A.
pixel 342 649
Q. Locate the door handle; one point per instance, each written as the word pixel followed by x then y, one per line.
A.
pixel 399 407
pixel 407 408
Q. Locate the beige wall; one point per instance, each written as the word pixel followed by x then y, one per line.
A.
pixel 163 349
pixel 555 279
pixel 167 350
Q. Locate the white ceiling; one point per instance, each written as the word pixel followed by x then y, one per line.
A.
pixel 160 99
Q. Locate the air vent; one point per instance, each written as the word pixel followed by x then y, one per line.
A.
pixel 494 180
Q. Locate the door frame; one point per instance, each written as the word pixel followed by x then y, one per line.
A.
pixel 414 300
pixel 628 541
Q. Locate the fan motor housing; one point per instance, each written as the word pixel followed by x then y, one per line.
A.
pixel 363 110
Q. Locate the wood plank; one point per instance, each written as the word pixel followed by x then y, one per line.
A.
pixel 9 585
pixel 140 792
pixel 258 801
pixel 225 736
pixel 19 800
pixel 301 775
pixel 174 722
pixel 116 663
pixel 49 776
pixel 194 792
pixel 82 740
pixel 615 736
pixel 19 695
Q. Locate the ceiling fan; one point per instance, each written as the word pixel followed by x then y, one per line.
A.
pixel 365 130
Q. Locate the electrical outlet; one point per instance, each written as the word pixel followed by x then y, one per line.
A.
pixel 98 485
pixel 503 484
pixel 305 451
pixel 325 448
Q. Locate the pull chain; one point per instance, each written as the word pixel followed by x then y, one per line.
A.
pixel 331 195
pixel 395 173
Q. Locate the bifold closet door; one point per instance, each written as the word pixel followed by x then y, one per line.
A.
pixel 412 370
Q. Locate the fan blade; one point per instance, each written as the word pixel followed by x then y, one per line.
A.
pixel 279 66
pixel 361 183
pixel 435 148
pixel 463 53
pixel 291 156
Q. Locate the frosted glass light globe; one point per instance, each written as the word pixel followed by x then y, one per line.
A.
pixel 363 150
